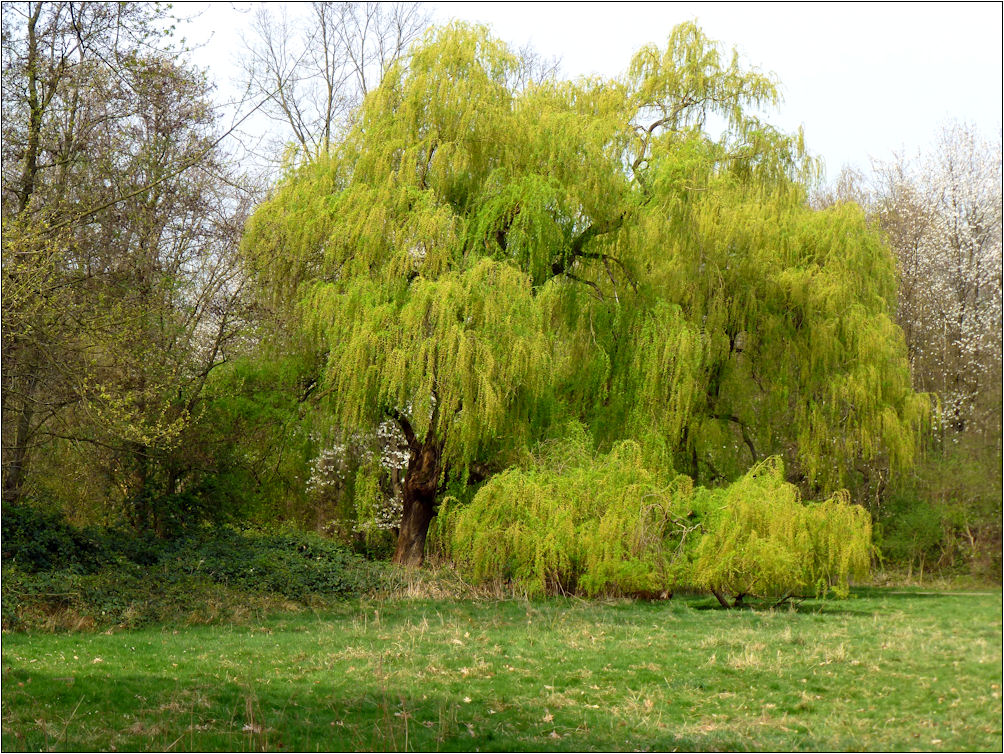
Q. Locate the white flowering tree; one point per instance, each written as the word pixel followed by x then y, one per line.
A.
pixel 942 214
pixel 360 475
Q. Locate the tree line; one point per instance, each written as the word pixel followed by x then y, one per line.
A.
pixel 461 255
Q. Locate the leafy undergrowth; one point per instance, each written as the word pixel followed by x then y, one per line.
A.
pixel 946 580
pixel 108 580
pixel 885 670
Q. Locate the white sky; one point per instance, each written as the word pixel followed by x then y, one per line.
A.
pixel 864 80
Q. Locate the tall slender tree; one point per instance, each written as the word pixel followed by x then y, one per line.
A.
pixel 121 219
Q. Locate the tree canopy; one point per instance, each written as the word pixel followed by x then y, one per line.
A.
pixel 489 250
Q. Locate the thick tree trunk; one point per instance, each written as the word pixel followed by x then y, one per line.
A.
pixel 419 491
pixel 418 514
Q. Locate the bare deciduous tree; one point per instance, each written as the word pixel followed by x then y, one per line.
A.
pixel 313 71
pixel 122 219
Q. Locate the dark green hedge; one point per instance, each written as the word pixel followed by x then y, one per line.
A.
pixel 115 577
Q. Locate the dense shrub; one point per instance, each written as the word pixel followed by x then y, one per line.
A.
pixel 760 539
pixel 945 516
pixel 38 540
pixel 292 564
pixel 104 576
pixel 600 524
pixel 575 521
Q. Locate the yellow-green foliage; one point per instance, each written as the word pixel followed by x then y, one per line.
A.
pixel 760 539
pixel 463 352
pixel 841 536
pixel 578 521
pixel 575 521
pixel 503 246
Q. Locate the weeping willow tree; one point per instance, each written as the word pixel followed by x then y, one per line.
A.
pixel 486 250
pixel 573 520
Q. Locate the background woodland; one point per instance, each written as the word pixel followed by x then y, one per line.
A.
pixel 472 302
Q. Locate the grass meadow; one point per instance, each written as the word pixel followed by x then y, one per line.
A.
pixel 887 669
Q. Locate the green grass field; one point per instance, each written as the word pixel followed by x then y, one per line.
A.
pixel 886 669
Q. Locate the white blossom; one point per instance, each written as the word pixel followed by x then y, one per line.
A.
pixel 338 460
pixel 942 214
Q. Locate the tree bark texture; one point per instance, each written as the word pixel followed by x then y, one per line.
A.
pixel 17 467
pixel 419 492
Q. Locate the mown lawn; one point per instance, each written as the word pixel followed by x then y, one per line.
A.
pixel 886 669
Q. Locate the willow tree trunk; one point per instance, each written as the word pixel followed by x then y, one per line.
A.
pixel 419 492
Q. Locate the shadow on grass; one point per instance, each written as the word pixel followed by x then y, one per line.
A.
pixel 913 592
pixel 509 609
pixel 152 712
pixel 814 607
pixel 876 597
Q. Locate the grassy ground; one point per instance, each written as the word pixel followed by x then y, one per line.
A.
pixel 890 669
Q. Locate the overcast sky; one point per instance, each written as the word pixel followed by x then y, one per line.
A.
pixel 864 80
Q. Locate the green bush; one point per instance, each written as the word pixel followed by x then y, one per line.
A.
pixel 913 533
pixel 292 564
pixel 761 540
pixel 945 516
pixel 38 540
pixel 577 521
